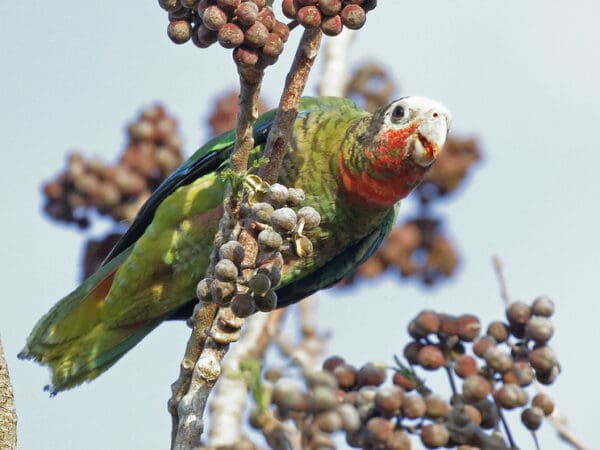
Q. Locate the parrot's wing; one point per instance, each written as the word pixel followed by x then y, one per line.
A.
pixel 339 267
pixel 208 159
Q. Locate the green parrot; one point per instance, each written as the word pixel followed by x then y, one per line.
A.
pixel 353 166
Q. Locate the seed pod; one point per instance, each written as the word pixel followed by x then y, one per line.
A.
pixel 269 240
pixel 261 212
pixel 233 251
pixel 259 284
pixel 225 270
pixel 267 302
pixel 242 305
pixel 311 217
pixel 277 195
pixel 304 247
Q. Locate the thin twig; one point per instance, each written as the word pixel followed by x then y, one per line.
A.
pixel 561 425
pixel 8 414
pixel 288 104
pixel 498 268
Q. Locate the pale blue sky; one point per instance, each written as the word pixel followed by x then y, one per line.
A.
pixel 522 75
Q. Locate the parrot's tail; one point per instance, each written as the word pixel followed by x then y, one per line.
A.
pixel 72 339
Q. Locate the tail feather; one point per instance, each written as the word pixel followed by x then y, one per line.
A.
pixel 72 339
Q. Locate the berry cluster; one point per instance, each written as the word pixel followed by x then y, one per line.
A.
pixel 495 370
pixel 330 15
pixel 152 153
pixel 279 230
pixel 248 26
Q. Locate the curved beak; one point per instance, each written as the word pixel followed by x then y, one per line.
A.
pixel 431 135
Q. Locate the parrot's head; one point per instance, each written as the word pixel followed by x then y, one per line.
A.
pixel 396 146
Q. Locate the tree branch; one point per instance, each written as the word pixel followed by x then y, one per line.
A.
pixel 288 104
pixel 8 414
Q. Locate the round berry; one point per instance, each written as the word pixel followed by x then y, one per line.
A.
pixel 532 418
pixel 476 387
pixel 498 330
pixel 544 402
pixel 428 322
pixel 413 406
pixel 261 212
pixel 388 399
pixel 290 8
pixel 540 329
pixel 542 306
pixel 330 7
pixel 267 302
pixel 245 56
pixel 497 360
pixel 246 13
pixel 222 291
pixel 483 344
pixel 346 376
pixel 370 375
pixel 436 406
pixel 511 396
pixel 469 327
pixel 203 290
pixel 309 16
pixel 230 35
pixel 311 217
pixel 518 313
pixel 465 365
pixel 430 357
pixel 332 362
pixel 328 422
pixel 434 435
pixel 226 270
pixel 259 284
pixel 256 35
pixel 232 250
pixel 271 271
pixel 277 195
pixel 295 196
pixel 332 26
pixel 274 46
pixel 353 16
pixel 542 358
pixel 283 220
pixel 243 305
pixel 269 240
pixel 214 18
pixel 179 31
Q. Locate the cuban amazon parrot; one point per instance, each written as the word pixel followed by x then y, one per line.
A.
pixel 353 166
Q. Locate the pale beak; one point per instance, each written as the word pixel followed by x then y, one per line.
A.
pixel 431 136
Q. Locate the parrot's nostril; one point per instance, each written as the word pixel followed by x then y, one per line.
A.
pixel 435 115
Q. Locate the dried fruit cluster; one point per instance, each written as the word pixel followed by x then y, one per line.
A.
pixel 279 230
pixel 118 190
pixel 248 26
pixel 495 369
pixel 331 15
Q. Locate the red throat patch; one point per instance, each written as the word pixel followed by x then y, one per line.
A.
pixel 399 175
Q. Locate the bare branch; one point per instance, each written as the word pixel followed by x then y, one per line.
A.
pixel 288 104
pixel 8 414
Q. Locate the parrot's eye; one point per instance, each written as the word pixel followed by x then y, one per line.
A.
pixel 397 114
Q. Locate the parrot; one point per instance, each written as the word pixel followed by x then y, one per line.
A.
pixel 354 167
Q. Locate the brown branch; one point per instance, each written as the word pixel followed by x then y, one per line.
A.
pixel 287 111
pixel 8 414
pixel 250 81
